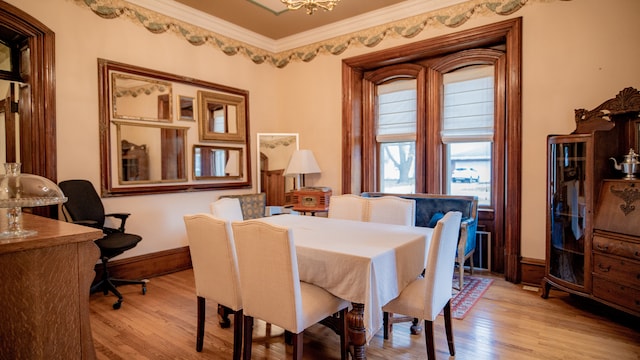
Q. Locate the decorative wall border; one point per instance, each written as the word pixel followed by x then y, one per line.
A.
pixel 451 17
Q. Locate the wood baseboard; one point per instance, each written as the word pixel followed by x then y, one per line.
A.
pixel 148 265
pixel 532 271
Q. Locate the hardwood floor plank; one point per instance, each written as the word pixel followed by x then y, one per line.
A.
pixel 507 323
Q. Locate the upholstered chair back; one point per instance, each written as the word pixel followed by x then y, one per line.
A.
pixel 273 297
pixel 253 206
pixel 227 208
pixel 348 207
pixel 214 259
pixel 440 261
pixel 391 210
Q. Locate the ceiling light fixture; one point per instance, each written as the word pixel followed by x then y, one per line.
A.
pixel 310 5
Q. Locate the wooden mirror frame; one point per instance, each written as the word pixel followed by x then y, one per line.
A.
pixel 162 107
pixel 205 99
pixel 227 149
pixel 109 182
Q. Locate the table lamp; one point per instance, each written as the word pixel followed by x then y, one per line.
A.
pixel 302 162
pixel 24 190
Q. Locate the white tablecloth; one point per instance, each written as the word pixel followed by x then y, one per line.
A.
pixel 362 262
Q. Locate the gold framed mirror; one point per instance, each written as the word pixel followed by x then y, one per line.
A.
pixel 186 108
pixel 211 162
pixel 221 117
pixel 151 153
pixel 141 98
pixel 145 153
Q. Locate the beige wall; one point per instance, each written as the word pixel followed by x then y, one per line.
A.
pixel 576 55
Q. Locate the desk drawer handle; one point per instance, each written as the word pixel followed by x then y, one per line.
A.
pixel 605 247
pixel 604 268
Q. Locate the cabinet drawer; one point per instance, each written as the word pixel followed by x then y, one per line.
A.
pixel 616 247
pixel 617 269
pixel 625 296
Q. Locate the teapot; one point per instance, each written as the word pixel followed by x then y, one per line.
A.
pixel 629 166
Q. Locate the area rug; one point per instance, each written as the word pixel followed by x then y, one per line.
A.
pixel 472 291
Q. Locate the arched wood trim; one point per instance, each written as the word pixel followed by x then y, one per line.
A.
pixel 370 174
pixel 508 32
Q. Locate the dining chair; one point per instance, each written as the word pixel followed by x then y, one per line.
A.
pixel 215 270
pixel 271 288
pixel 227 208
pixel 391 210
pixel 427 296
pixel 348 207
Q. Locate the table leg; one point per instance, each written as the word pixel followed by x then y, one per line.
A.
pixel 357 331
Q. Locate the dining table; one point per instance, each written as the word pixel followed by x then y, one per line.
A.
pixel 366 263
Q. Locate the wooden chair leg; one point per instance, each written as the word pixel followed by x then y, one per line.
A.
pixel 449 328
pixel 238 321
pixel 200 323
pixel 461 274
pixel 386 324
pixel 344 344
pixel 428 337
pixel 248 337
pixel 223 316
pixel 297 346
pixel 415 328
pixel 471 262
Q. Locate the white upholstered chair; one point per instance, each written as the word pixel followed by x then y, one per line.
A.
pixel 391 210
pixel 426 296
pixel 348 207
pixel 215 269
pixel 271 287
pixel 227 208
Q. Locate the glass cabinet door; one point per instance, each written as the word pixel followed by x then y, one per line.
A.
pixel 568 210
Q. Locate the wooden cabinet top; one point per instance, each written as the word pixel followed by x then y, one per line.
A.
pixel 50 233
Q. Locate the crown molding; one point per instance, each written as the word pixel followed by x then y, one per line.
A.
pixel 404 20
pixel 368 20
pixel 205 21
pixel 385 15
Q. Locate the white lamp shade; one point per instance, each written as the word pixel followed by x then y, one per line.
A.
pixel 302 162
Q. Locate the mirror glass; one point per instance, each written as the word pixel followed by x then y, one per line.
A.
pixel 144 152
pixel 274 152
pixel 221 117
pixel 150 154
pixel 215 161
pixel 186 108
pixel 5 57
pixel 139 98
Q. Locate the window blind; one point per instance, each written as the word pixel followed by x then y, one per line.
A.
pixel 468 105
pixel 396 111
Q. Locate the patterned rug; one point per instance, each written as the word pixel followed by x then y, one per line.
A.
pixel 472 291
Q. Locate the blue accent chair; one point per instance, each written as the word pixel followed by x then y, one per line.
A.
pixel 431 207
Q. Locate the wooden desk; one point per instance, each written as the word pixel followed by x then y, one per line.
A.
pixel 44 290
pixel 366 263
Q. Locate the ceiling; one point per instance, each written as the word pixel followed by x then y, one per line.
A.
pixel 271 19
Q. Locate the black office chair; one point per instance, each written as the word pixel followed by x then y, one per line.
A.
pixel 84 207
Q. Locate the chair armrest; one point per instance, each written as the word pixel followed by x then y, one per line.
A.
pixel 90 223
pixel 123 219
pixel 467 241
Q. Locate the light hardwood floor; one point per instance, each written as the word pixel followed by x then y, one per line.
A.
pixel 507 323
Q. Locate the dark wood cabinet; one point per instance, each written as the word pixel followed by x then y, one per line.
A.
pixel 593 236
